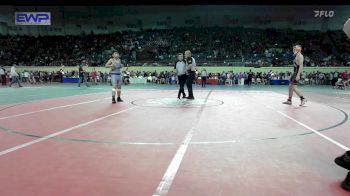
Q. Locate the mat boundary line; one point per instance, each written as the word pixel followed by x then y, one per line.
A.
pixel 4 152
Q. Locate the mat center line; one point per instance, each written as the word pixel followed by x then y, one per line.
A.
pixel 168 178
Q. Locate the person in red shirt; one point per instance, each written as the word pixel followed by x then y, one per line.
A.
pixel 344 80
pixel 94 76
pixel 345 75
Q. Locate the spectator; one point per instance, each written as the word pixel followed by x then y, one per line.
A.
pixel 250 77
pixel 62 73
pixel 94 76
pixel 204 75
pixel 3 75
pixel 14 76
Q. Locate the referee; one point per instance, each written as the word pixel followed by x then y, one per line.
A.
pixel 191 68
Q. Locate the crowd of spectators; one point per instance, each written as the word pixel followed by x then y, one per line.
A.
pixel 169 77
pixel 210 46
pixel 44 77
pixel 264 78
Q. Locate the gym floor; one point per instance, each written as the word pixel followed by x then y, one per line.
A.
pixel 64 140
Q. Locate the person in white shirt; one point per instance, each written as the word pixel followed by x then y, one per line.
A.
pixel 180 67
pixel 26 76
pixel 14 76
pixel 204 75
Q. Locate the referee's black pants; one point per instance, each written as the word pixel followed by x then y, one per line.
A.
pixel 189 83
pixel 182 82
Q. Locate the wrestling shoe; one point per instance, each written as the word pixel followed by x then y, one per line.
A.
pixel 302 102
pixel 343 160
pixel 288 102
